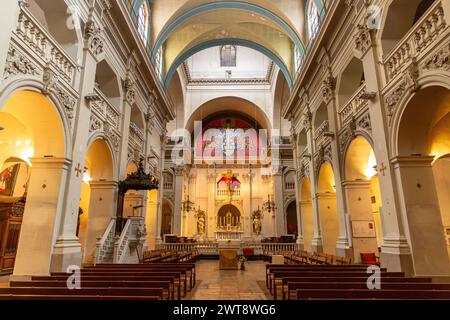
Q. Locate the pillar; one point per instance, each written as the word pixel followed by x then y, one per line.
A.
pixel 395 252
pixel 178 189
pixel 300 242
pixel 67 249
pixel 280 228
pixel 42 216
pixel 102 208
pixel 329 98
pixel 420 209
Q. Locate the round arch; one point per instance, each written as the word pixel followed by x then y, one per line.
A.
pixel 101 136
pixel 172 25
pixel 228 41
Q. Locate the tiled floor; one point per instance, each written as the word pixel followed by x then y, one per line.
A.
pixel 218 284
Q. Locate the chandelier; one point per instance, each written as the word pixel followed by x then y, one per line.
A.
pixel 269 205
pixel 187 205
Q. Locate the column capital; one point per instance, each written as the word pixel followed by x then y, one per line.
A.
pixel 412 161
pixel 355 184
pixel 103 184
pixel 94 40
pixel 50 162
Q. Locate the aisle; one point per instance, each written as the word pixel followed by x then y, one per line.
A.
pixel 218 284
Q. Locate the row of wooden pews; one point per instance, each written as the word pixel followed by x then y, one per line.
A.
pixel 165 281
pixel 170 256
pixel 305 257
pixel 334 282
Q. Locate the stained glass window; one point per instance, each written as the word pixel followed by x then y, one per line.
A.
pixel 313 19
pixel 142 21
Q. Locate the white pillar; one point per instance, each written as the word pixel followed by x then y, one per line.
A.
pixel 42 216
pixel 102 208
pixel 179 175
pixel 420 210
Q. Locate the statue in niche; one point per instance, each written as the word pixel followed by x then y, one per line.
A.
pixel 201 222
pixel 257 221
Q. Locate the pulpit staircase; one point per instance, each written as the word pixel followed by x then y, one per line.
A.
pixel 112 248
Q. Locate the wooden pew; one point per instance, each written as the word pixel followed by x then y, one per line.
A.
pixel 121 273
pixel 288 283
pixel 385 285
pixel 277 275
pixel 173 277
pixel 191 267
pixel 366 294
pixel 169 293
pixel 105 292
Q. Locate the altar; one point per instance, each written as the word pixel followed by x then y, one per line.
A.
pixel 224 235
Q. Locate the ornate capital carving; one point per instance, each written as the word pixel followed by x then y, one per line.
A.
pixel 411 76
pixel 130 91
pixel 328 87
pixel 307 118
pixel 50 79
pixel 363 39
pixel 94 39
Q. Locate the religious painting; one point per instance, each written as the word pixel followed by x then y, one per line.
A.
pixel 363 229
pixel 8 180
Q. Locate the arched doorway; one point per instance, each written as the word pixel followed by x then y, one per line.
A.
pixel 362 192
pixel 33 132
pixel 306 212
pixel 291 219
pixel 328 208
pixel 98 196
pixel 228 217
pixel 422 167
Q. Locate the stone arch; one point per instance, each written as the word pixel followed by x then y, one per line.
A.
pixel 349 81
pixel 108 82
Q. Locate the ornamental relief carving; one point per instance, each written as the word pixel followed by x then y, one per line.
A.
pixel 440 60
pixel 363 39
pixel 94 38
pixel 328 87
pixel 17 63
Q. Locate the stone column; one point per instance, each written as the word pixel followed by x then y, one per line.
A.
pixel 102 208
pixel 178 190
pixel 420 209
pixel 280 228
pixel 7 24
pixel 395 252
pixel 42 216
pixel 329 98
pixel 316 244
pixel 130 94
pixel 300 243
pixel 158 219
pixel 67 249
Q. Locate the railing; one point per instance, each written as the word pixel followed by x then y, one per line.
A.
pixel 425 31
pixel 319 136
pixel 209 248
pixel 42 42
pixel 168 186
pixel 352 107
pixel 105 243
pixel 274 247
pixel 106 110
pixel 122 245
pixel 225 193
pixel 136 136
pixel 289 186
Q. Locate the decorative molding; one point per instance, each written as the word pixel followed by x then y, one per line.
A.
pixel 50 79
pixel 440 60
pixel 328 87
pixel 67 101
pixel 363 39
pixel 130 91
pixel 94 39
pixel 17 63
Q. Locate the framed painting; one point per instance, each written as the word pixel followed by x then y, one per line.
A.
pixel 8 180
pixel 363 229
